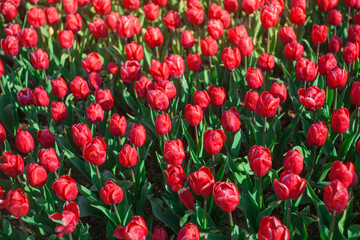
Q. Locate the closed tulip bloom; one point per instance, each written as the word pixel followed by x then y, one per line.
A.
pixel 151 11
pixel 251 99
pixel 193 114
pixel 267 105
pixel 194 62
pixel 279 91
pixel 351 52
pixel 127 26
pixel 28 37
pixel 189 231
pixel 317 134
pixel 111 193
pixel 168 87
pixel 246 46
pixel 226 196
pixel 350 3
pixel 236 34
pixel 134 51
pixel 297 16
pixel 249 6
pixel 334 17
pixel 39 59
pixel 172 20
pixel 79 88
pixel 176 65
pixel 59 87
pixel 254 78
pixel 130 71
pixel 318 34
pixel 159 234
pixel 175 177
pixel 336 197
pixel 342 172
pixel 36 17
pixel 208 46
pixel 98 28
pixel 2 134
pixel 340 120
pixel 94 113
pixel 163 124
pixel 81 134
pixel 92 63
pixel 326 5
pixel 58 111
pixel 52 15
pixel 355 94
pixel 135 229
pixel 293 51
pixel 12 164
pixel 131 4
pixel 66 39
pixel 153 37
pixel 266 62
pixel 260 160
pixel 143 86
pixel 201 98
pixel 335 44
pixel 269 17
pixel 195 15
pixel 111 20
pixel 231 5
pixel 174 153
pixel 94 151
pixel 306 70
pixel 104 98
pixel 17 203
pixel 36 175
pixel 202 182
pixel 231 58
pixel 293 161
pixel 49 159
pixel 10 45
pixel 354 34
pixel 40 97
pixel 187 39
pixel 65 188
pixel 157 99
pixel 217 95
pixel 161 3
pixel 287 35
pixel 271 228
pixel 137 135
pixel 356 18
pixel 74 22
pixel 94 80
pixel 289 186
pixel 24 141
pixel 159 71
pixel 24 97
pixel 118 125
pixel 70 6
pixel 214 141
pixel 326 64
pixel 214 11
pixel 8 10
pixel 337 78
pixel 312 98
pixel 186 198
pixel 68 218
pixel 215 28
pixel 128 156
pixel 102 7
pixel 112 68
pixel 230 120
pixel 279 6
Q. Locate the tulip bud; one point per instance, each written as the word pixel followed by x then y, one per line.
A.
pixel 24 141
pixel 201 98
pixel 217 95
pixel 94 113
pixel 266 62
pixel 187 198
pixel 336 197
pixel 326 64
pixel 209 46
pixel 118 125
pixel 134 51
pixel 174 153
pixel 2 134
pixel 193 114
pixel 8 10
pixel 289 186
pixel 202 182
pixel 267 105
pixel 279 91
pixel 326 5
pixel 317 134
pixel 128 156
pixel 340 120
pixel 246 46
pixel 215 28
pixel 81 134
pixel 231 58
pixel 318 34
pixel 153 37
pixel 230 120
pixel 226 196
pixel 312 98
pixel 172 20
pixel 49 159
pixel 214 141
pixel 17 203
pixel 163 124
pixel 287 35
pixel 231 5
pixel 176 65
pixel 293 161
pixel 143 86
pixel 94 151
pixel 249 6
pixel 65 188
pixel 342 172
pixel 130 71
pixel 111 193
pixel 271 228
pixel 40 97
pixel 137 135
pixel 187 39
pixel 112 68
pixel 36 175
pixel 159 71
pixel 12 164
pixel 189 231
pixel 236 33
pixel 175 177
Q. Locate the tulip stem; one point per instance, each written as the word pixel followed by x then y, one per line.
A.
pixel 231 220
pixel 260 193
pixel 268 41
pixel 19 180
pixel 336 96
pixel 46 80
pixel 98 175
pixel 132 174
pixel 245 63
pixel 349 70
pixel 210 62
pixel 157 53
pixel 213 165
pixel 332 225
pixel 313 156
pixel 335 31
pixel 340 149
pixel 264 132
pixel 196 136
pixel 317 53
pixel 70 236
pixel 69 55
pixel 314 116
pixel 119 138
pixel 288 213
pixel 249 18
pixel 205 212
pixel 357 119
pixel 348 17
pixel 117 213
pixel 56 175
pixel 84 105
pixel 23 227
pixel 2 87
pixel 253 117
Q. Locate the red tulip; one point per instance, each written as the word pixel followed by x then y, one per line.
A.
pixel 236 33
pixel 65 188
pixel 208 46
pixel 24 141
pixel 193 114
pixel 254 78
pixel 36 17
pixel 159 234
pixel 161 3
pixel 355 94
pixel 351 52
pixel 336 197
pixel 157 99
pixel 17 203
pixel 153 37
pixel 251 99
pixel 102 7
pixel 215 28
pixel 312 98
pixel 269 17
pixel 345 173
pixel 172 20
pixel 326 5
pixel 230 120
pixel 70 6
pixel 10 45
pixel 98 28
pixel 137 135
pixel 163 124
pixel 186 198
pixel 260 160
pixel 49 159
pixel 189 232
pixel 354 34
pixel 94 151
pixel 326 64
pixel 231 58
pixel 28 38
pixel 59 87
pixel 293 161
pixel 176 65
pixel 127 26
pixel 287 35
pixel 201 98
pixel 79 88
pixel 159 71
pixel 52 15
pixel 318 34
pixel 131 4
pixel 58 111
pixel 297 16
pixel 151 11
pixel 111 20
pixel 2 134
pixel 130 71
pixel 202 182
pixel 271 228
pixel 317 134
pixel 104 98
pixel 118 125
pixel 306 70
pixel 135 229
pixel 214 141
pixel 94 113
pixel 195 15
pixel 293 51
pixel 267 105
pixel 143 86
pixel 175 177
pixel 24 97
pixel 128 156
pixel 74 22
pixel 112 68
pixel 92 63
pixel 134 51
pixel 168 87
pixel 335 44
pixel 8 10
pixel 279 91
pixel 226 196
pixel 39 59
pixel 174 153
pixel 36 175
pixel 266 62
pixel 81 134
pixel 334 17
pixel 12 164
pixel 231 5
pixel 68 218
pixel 337 78
pixel 187 39
pixel 111 193
pixel 217 95
pixel 249 6
pixel 40 97
pixel 289 186
pixel 340 121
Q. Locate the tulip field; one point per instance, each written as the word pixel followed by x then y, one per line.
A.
pixel 179 119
